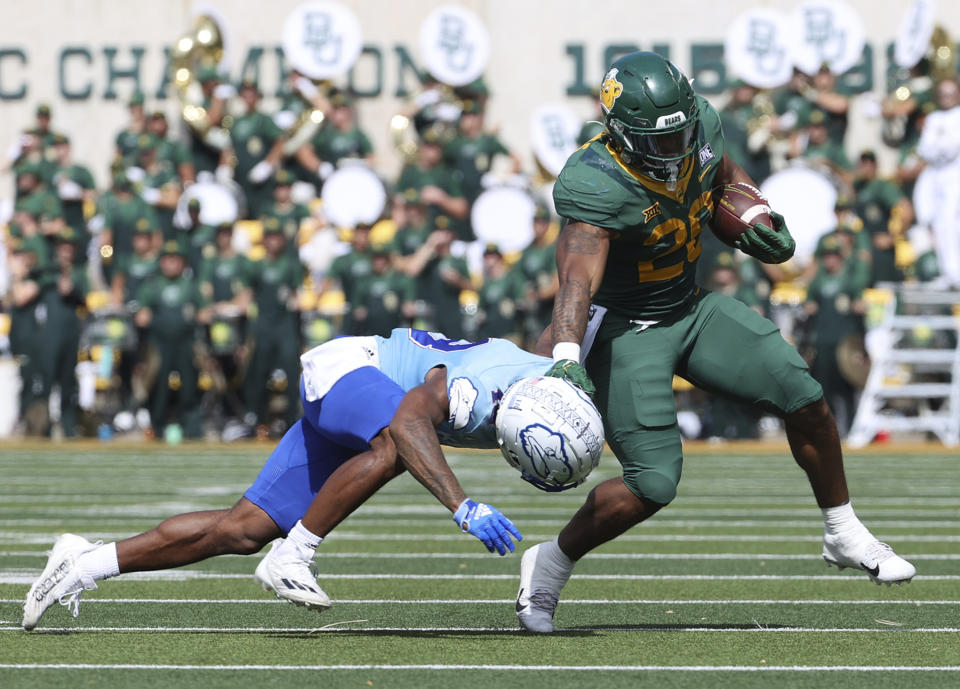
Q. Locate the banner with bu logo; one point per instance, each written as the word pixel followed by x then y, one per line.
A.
pixel 454 45
pixel 759 48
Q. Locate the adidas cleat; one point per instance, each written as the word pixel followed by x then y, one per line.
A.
pixel 291 578
pixel 540 586
pixel 877 559
pixel 61 580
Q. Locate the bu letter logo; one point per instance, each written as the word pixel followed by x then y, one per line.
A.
pixel 319 37
pixel 451 40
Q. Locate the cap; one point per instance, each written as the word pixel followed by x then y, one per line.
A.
pixel 136 98
pixel 207 73
pixel 272 226
pixel 67 235
pixel 43 110
pixel 412 196
pixel 193 204
pixel 147 142
pixel 868 156
pixel 225 227
pixel 60 139
pixel 471 106
pixel 283 178
pixel 338 98
pixel 120 181
pixel 143 226
pixel 158 115
pixel 28 167
pixel 249 82
pixel 830 245
pixel 172 247
pixel 492 249
pixel 541 213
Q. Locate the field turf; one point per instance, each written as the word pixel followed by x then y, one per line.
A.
pixel 723 588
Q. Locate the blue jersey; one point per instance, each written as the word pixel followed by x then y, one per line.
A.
pixel 478 373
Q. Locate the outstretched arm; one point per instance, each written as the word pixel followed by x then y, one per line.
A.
pixel 413 430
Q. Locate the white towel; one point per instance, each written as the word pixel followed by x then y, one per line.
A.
pixel 326 364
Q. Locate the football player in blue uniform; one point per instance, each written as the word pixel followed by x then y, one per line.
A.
pixel 373 407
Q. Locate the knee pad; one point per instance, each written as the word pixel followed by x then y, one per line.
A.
pixel 652 485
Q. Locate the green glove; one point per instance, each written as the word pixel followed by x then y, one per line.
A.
pixel 768 244
pixel 572 372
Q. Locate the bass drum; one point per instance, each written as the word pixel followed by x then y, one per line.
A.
pixel 221 202
pixel 353 195
pixel 503 216
pixel 806 199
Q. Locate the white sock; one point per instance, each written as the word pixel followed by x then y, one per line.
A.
pixel 843 522
pixel 303 540
pixel 560 563
pixel 100 563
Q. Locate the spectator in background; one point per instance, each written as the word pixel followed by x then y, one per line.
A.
pixel 791 105
pixel 835 106
pixel 384 300
pixel 127 139
pixel 58 339
pixel 159 185
pixel 747 130
pixel 441 189
pixel 440 277
pixel 76 188
pixel 836 311
pixel 350 269
pixel 537 269
pixel 815 147
pixel 174 153
pixel 35 145
pixel 167 309
pixel 338 138
pixel 122 212
pixel 275 330
pixel 225 279
pixel 256 148
pixel 204 148
pixel 886 214
pixel 500 297
pixel 473 150
pixel 856 245
pixel 29 275
pixel 284 212
pixel 938 190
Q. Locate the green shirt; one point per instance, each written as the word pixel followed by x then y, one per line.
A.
pixel 73 208
pixel 122 217
pixel 252 136
pixel 498 300
pixel 136 270
pixel 350 270
pixel 331 145
pixel 473 158
pixel 274 281
pixel 383 296
pixel 222 278
pixel 174 303
pixel 289 218
pixel 441 295
pixel 651 265
pixel 834 294
pixel 413 176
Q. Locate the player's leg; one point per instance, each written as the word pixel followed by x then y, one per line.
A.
pixel 633 372
pixel 354 414
pixel 774 377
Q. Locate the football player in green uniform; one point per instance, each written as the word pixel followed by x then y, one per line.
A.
pixel 636 199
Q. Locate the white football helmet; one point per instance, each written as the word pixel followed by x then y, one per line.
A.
pixel 550 432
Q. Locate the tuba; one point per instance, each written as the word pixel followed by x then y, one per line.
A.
pixel 201 48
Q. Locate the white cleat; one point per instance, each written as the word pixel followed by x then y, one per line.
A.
pixel 61 580
pixel 291 578
pixel 877 559
pixel 540 584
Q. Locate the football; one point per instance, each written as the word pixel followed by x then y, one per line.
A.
pixel 738 206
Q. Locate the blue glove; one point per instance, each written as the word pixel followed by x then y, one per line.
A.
pixel 487 524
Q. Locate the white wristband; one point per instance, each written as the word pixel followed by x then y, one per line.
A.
pixel 566 350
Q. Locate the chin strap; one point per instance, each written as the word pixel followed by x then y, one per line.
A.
pixel 673 170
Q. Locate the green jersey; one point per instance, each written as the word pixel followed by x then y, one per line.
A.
pixel 383 296
pixel 222 278
pixel 252 137
pixel 498 300
pixel 331 145
pixel 73 207
pixel 136 270
pixel 473 158
pixel 122 216
pixel 350 270
pixel 655 243
pixel 174 303
pixel 274 281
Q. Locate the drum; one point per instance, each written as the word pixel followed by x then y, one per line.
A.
pixel 352 195
pixel 806 199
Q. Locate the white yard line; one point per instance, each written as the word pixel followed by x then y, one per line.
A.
pixel 336 627
pixel 185 575
pixel 506 601
pixel 511 668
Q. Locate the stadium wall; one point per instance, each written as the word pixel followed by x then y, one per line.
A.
pixel 86 57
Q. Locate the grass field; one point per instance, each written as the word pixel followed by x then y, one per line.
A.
pixel 723 588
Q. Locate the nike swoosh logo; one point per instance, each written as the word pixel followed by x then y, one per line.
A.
pixel 520 608
pixel 875 570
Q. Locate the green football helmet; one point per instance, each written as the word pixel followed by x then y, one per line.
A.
pixel 651 114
